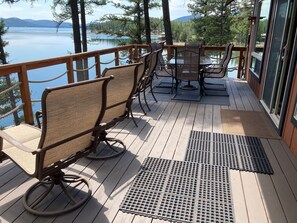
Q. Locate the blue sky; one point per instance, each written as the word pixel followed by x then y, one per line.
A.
pixel 41 10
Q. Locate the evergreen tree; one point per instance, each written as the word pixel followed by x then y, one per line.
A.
pixel 214 25
pixel 131 22
pixel 167 22
pixel 8 100
pixel 70 9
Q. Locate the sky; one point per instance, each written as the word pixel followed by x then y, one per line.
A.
pixel 41 10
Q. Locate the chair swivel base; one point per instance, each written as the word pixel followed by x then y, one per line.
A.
pixel 40 195
pixel 110 148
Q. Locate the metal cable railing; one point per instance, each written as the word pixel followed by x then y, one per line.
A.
pixel 85 69
pixel 12 111
pixel 13 87
pixel 48 80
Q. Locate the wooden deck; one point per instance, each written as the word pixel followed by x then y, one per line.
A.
pixel 164 133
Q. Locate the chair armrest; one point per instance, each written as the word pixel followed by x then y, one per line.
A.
pixel 16 143
pixel 38 116
pixel 215 70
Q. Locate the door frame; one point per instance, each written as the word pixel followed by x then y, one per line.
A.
pixel 279 122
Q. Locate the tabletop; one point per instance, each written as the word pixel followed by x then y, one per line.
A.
pixel 204 61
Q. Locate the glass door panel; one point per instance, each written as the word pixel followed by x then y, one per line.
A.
pixel 275 61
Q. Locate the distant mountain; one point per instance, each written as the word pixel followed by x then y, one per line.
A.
pixel 16 22
pixel 186 18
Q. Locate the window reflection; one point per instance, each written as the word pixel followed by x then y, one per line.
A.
pixel 262 25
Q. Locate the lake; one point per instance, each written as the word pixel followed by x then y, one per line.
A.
pixel 28 44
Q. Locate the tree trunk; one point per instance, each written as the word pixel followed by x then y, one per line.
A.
pixel 138 22
pixel 76 37
pixel 84 37
pixel 167 23
pixel 147 21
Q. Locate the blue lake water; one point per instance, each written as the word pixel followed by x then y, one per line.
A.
pixel 28 44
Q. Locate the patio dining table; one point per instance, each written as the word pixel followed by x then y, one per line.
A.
pixel 204 61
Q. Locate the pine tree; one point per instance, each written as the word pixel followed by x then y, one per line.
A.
pixel 214 25
pixel 8 100
pixel 131 22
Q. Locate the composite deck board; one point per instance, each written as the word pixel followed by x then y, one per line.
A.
pixel 164 133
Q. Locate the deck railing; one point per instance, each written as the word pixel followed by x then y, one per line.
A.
pixel 130 52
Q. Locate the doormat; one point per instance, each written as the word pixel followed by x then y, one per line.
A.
pixel 180 191
pixel 245 153
pixel 249 123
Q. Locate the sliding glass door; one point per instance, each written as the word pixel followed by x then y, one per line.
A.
pixel 283 33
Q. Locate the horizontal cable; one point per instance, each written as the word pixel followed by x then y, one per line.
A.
pixel 11 88
pixel 36 100
pixel 85 69
pixel 12 111
pixel 48 80
pixel 108 62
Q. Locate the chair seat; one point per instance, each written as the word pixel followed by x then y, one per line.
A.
pixel 28 136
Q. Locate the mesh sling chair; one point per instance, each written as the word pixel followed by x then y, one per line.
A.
pixel 144 60
pixel 43 153
pixel 189 69
pixel 163 70
pixel 118 106
pixel 219 64
pixel 217 72
pixel 147 81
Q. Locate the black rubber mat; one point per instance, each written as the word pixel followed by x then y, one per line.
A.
pixel 180 191
pixel 244 153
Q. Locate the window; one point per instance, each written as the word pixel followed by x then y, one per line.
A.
pixel 261 15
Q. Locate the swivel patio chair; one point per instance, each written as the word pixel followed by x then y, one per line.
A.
pixel 118 106
pixel 217 71
pixel 71 118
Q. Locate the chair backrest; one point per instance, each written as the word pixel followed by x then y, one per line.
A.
pixel 158 46
pixel 70 116
pixel 143 66
pixel 226 52
pixel 119 92
pixel 152 61
pixel 190 68
pixel 227 58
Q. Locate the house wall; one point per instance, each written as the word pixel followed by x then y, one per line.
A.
pixel 290 131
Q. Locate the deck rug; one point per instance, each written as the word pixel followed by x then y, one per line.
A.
pixel 245 153
pixel 249 123
pixel 180 191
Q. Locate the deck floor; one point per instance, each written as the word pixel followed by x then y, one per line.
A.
pixel 164 133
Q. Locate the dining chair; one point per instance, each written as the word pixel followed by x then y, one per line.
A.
pixel 163 70
pixel 146 83
pixel 71 123
pixel 217 71
pixel 190 69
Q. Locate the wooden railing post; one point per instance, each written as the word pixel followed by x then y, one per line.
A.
pixel 70 72
pixel 117 58
pixel 25 95
pixel 98 67
pixel 131 54
pixel 239 69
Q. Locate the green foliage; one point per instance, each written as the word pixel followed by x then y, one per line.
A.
pixel 129 24
pixel 240 22
pixel 214 25
pixel 9 99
